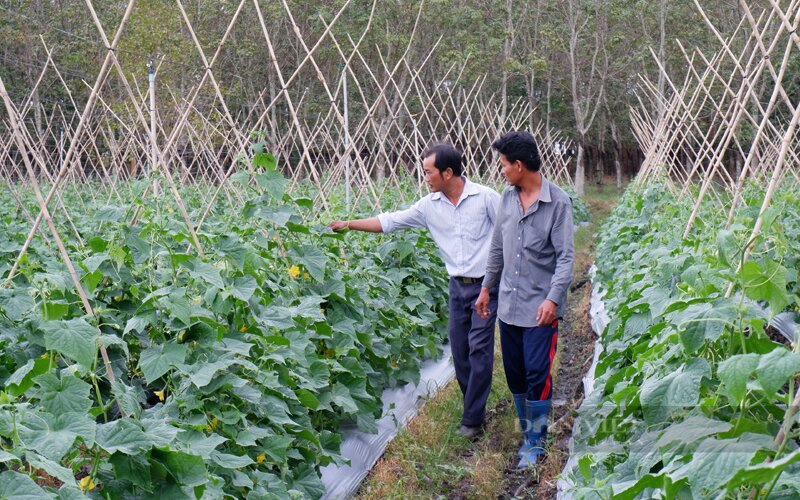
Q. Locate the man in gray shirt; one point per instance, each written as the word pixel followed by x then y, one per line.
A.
pixel 461 218
pixel 532 257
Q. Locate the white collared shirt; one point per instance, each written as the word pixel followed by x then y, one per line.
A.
pixel 463 232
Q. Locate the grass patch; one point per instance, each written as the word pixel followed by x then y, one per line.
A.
pixel 428 459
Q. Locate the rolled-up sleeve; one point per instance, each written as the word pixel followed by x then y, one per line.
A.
pixel 413 217
pixel 561 236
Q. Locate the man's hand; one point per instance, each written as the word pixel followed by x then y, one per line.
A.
pixel 482 304
pixel 338 225
pixel 546 313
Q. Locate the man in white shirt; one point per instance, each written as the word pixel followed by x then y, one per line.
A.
pixel 460 216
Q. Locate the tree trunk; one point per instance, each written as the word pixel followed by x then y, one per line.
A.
pixel 580 169
pixel 616 150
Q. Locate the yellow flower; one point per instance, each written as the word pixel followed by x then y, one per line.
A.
pixel 395 363
pixel 160 395
pixel 243 328
pixel 306 276
pixel 196 300
pixel 294 271
pixel 45 355
pixel 260 458
pixel 86 484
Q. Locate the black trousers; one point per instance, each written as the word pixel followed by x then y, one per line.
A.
pixel 472 343
pixel 528 359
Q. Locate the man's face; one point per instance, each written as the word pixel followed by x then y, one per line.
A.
pixel 510 170
pixel 433 178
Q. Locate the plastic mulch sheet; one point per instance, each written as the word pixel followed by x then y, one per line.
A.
pixel 600 319
pixel 400 405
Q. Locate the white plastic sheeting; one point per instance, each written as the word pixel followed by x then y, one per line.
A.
pixel 399 407
pixel 600 319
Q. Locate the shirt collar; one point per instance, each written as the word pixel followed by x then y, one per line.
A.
pixel 470 188
pixel 544 195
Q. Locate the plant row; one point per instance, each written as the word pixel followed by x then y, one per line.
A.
pixel 695 384
pixel 231 373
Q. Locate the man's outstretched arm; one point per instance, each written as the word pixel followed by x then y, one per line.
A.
pixel 371 225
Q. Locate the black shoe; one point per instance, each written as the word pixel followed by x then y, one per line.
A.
pixel 470 432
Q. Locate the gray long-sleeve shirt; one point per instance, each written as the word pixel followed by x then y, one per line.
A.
pixel 531 254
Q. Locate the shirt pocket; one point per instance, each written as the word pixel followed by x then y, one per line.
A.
pixel 476 224
pixel 536 237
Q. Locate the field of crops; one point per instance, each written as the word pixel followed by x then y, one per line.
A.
pixel 232 373
pixel 694 388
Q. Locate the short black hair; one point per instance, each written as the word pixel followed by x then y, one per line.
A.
pixel 519 146
pixel 446 157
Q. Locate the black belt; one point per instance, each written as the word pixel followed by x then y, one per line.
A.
pixel 468 281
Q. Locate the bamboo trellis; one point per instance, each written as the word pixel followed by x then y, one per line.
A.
pixel 400 111
pixel 96 149
pixel 720 108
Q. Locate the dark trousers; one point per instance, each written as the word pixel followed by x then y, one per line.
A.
pixel 528 359
pixel 472 343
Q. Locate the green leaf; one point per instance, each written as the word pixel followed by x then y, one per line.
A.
pixel 76 339
pixel 16 486
pixel 734 373
pixel 663 396
pixel 159 431
pixel 775 368
pixel 133 468
pixel 340 395
pixel 273 183
pixel 65 395
pixel 266 161
pixel 22 379
pixel 202 372
pixel 728 248
pixel 198 443
pixel 275 447
pixel 277 410
pixel 129 398
pixel 124 435
pixel 716 461
pixel 138 323
pixel 692 430
pixel 244 287
pixel 312 258
pixel 178 305
pixel 8 457
pixel 701 322
pixel 765 283
pixel 764 473
pixel 53 435
pixel 52 468
pixel 156 361
pixel 188 470
pixel 94 262
pixel 308 481
pixel 110 213
pixel 307 398
pixel 207 273
pixel 16 303
pixel 69 493
pixel 230 461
